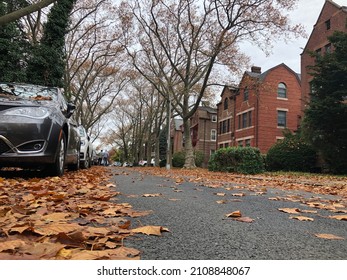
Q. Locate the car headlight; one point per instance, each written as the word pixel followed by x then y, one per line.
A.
pixel 29 112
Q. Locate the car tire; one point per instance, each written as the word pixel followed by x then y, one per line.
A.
pixel 57 168
pixel 75 166
pixel 86 162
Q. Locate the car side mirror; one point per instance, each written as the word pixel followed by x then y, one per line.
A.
pixel 70 109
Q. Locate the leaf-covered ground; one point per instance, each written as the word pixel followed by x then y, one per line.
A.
pixel 77 216
pixel 73 217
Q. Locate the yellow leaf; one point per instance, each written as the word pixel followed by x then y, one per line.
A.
pixel 328 236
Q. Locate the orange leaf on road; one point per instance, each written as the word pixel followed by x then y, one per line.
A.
pixel 150 230
pixel 328 236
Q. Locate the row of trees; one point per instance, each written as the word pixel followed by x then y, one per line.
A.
pixel 128 65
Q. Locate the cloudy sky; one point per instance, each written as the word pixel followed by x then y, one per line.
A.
pixel 306 13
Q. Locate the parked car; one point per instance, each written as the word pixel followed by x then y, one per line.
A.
pixel 36 129
pixel 142 162
pixel 86 152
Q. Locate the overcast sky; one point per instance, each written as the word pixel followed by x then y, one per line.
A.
pixel 306 13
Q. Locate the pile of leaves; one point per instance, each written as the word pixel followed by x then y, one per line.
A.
pixel 71 217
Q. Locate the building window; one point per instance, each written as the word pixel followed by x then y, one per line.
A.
pixel 282 118
pixel 226 104
pixel 328 24
pixel 328 48
pixel 213 135
pixel 214 118
pixel 248 142
pixel 282 90
pixel 245 120
pixel 245 94
pixel 240 143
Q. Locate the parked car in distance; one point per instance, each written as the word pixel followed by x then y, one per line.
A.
pixel 36 129
pixel 142 162
pixel 86 152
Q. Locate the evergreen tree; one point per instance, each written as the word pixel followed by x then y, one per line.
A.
pixel 325 121
pixel 13 48
pixel 47 64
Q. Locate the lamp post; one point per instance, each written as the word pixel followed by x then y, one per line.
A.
pixel 168 150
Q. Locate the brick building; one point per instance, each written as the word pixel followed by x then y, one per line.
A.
pixel 331 18
pixel 256 113
pixel 226 112
pixel 204 131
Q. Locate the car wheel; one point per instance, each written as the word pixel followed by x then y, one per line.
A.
pixel 75 166
pixel 57 168
pixel 86 162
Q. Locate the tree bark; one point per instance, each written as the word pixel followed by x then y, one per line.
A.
pixel 24 11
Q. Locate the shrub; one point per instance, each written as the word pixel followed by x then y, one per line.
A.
pixel 246 160
pixel 291 154
pixel 178 158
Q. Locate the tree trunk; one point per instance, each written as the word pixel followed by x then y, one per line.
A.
pixel 11 17
pixel 189 162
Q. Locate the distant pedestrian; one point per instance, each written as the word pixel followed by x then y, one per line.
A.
pixel 105 156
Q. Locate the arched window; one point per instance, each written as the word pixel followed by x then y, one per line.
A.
pixel 282 90
pixel 226 104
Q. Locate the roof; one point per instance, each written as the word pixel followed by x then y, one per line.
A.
pixel 262 76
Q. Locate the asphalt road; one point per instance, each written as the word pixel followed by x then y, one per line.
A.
pixel 200 230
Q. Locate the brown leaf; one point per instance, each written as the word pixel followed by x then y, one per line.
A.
pixel 235 214
pixel 150 230
pixel 239 194
pixel 302 218
pixel 244 219
pixel 290 210
pixel 339 217
pixel 328 236
pixel 152 195
pixel 11 245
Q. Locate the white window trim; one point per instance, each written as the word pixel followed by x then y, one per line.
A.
pixel 245 111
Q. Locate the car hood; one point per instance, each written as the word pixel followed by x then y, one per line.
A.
pixel 7 103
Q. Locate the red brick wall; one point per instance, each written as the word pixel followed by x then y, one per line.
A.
pixel 319 39
pixel 263 103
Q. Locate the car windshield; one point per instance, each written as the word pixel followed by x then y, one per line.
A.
pixel 26 91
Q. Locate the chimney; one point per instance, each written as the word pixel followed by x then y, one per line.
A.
pixel 256 69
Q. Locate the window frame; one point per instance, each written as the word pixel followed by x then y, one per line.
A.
pixel 282 90
pixel 280 118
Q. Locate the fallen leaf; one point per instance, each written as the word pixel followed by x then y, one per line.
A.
pixel 290 210
pixel 238 194
pixel 328 236
pixel 150 230
pixel 302 218
pixel 152 195
pixel 224 201
pixel 220 194
pixel 235 214
pixel 244 219
pixel 339 217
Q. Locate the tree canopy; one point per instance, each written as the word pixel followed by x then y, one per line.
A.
pixel 325 121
